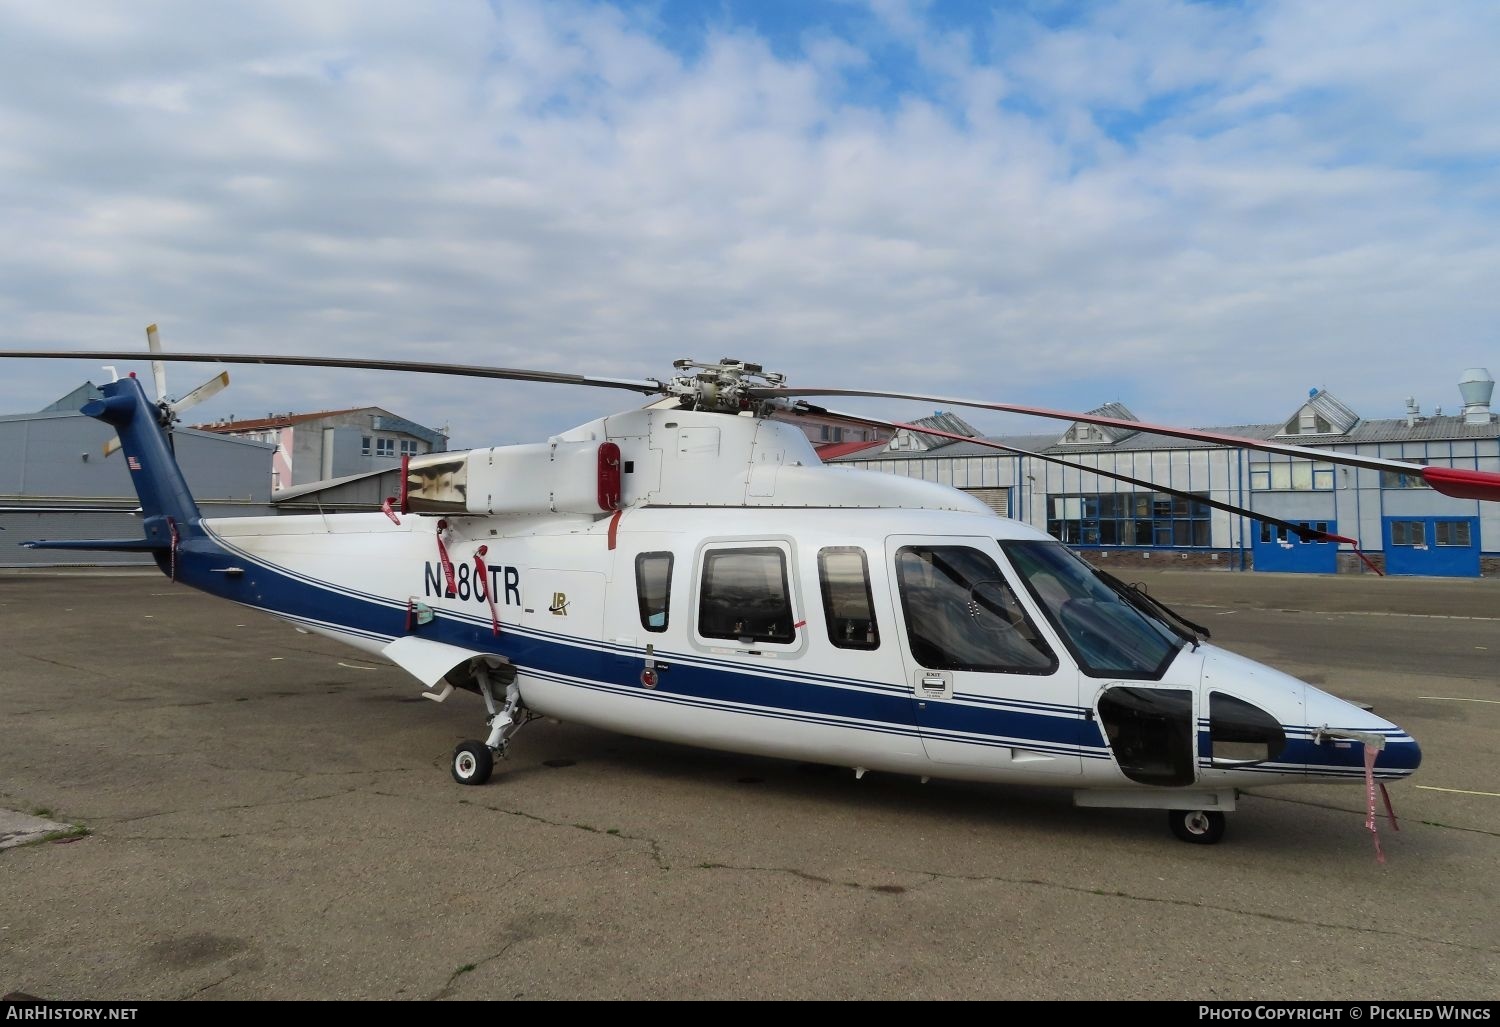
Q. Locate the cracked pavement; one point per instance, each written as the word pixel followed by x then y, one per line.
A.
pixel 268 824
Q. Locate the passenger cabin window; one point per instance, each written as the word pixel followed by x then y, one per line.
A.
pixel 844 577
pixel 745 596
pixel 653 589
pixel 962 615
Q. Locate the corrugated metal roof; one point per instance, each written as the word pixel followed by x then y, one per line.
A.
pixel 74 401
pixel 299 491
pixel 910 443
pixel 1339 417
pixel 1395 429
pixel 1113 435
pixel 279 420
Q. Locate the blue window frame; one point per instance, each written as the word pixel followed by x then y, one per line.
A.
pixel 1130 519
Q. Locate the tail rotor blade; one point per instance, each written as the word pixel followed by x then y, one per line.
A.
pixel 158 369
pixel 112 446
pixel 209 388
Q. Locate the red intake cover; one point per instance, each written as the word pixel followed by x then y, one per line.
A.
pixel 609 476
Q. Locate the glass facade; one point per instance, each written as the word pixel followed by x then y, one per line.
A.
pixel 1129 519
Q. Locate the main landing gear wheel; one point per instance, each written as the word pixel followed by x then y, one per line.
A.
pixel 472 763
pixel 1201 827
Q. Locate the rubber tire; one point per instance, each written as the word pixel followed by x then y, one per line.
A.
pixel 1196 826
pixel 472 763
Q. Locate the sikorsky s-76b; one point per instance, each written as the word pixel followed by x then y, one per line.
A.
pixel 690 571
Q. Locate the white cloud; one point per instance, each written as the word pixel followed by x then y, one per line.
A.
pixel 1290 199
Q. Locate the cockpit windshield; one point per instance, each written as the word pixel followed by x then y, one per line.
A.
pixel 1106 634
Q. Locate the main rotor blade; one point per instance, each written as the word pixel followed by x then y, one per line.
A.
pixel 158 369
pixel 213 386
pixel 1450 481
pixel 1301 531
pixel 648 386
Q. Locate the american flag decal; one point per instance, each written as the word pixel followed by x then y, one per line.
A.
pixel 135 465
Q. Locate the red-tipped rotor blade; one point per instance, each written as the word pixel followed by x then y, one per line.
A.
pixel 1484 485
pixel 1462 484
pixel 1301 531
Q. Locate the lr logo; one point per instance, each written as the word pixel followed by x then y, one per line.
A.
pixel 559 605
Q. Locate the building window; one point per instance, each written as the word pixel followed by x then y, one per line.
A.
pixel 1408 533
pixel 1404 480
pixel 847 604
pixel 364 446
pixel 409 448
pixel 1452 533
pixel 1130 519
pixel 1295 476
pixel 385 447
pixel 828 433
pixel 1276 533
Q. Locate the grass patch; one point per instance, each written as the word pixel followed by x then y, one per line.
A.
pixel 66 835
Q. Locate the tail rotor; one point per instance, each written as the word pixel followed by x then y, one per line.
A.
pixel 169 411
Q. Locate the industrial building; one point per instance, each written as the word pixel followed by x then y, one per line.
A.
pixel 1403 526
pixel 56 482
pixel 333 443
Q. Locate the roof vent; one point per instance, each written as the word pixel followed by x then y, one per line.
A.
pixel 1413 411
pixel 1476 386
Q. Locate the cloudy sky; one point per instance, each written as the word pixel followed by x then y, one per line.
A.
pixel 1199 209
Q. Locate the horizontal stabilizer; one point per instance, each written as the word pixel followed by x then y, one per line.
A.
pixel 104 545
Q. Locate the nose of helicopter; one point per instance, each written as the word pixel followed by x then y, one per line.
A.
pixel 1321 734
pixel 1340 732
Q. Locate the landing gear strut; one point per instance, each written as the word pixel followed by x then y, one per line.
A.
pixel 473 761
pixel 1200 827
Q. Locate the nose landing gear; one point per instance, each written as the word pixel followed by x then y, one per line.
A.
pixel 1200 827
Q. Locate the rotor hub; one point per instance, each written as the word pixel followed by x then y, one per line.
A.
pixel 724 386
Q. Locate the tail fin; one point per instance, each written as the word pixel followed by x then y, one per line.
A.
pixel 170 514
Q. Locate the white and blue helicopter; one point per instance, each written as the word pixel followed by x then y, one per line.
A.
pixel 690 571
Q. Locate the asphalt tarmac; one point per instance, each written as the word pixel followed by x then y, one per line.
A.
pixel 261 814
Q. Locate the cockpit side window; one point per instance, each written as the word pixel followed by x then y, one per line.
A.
pixel 653 589
pixel 1241 733
pixel 1108 636
pixel 844 577
pixel 953 625
pixel 745 596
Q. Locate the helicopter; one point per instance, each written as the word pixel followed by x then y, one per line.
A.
pixel 690 571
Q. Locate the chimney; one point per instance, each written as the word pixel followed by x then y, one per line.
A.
pixel 1476 386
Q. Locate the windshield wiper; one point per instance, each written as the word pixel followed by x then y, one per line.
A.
pixel 1148 604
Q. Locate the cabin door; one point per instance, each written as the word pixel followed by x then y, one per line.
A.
pixel 988 687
